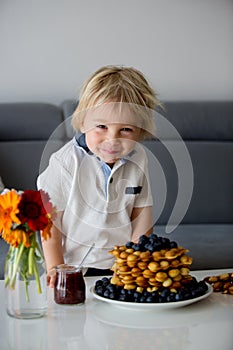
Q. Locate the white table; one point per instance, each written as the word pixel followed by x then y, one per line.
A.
pixel 97 325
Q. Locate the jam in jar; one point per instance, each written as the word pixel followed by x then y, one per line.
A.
pixel 69 285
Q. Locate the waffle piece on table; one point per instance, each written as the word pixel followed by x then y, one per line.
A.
pixel 222 283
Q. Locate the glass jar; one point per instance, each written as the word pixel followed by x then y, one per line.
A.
pixel 69 285
pixel 25 297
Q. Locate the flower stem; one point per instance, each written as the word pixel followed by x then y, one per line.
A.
pixel 32 265
pixel 16 264
pixel 30 260
pixel 9 265
pixel 26 287
pixel 37 278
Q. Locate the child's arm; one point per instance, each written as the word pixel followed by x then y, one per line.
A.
pixel 53 254
pixel 142 222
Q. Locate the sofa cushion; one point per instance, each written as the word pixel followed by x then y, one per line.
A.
pixel 4 247
pixel 2 186
pixel 202 120
pixel 212 200
pixel 24 160
pixel 68 108
pixel 29 133
pixel 29 121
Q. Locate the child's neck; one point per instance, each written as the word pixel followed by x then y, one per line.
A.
pixel 111 165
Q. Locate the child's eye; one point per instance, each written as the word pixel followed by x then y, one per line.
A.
pixel 127 129
pixel 101 126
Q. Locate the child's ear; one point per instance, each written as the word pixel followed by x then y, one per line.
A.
pixel 82 129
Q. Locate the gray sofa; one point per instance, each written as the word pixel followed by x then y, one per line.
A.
pixel 30 132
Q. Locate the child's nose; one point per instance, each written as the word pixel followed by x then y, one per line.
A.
pixel 113 134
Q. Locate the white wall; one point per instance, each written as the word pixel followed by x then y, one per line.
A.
pixel 48 47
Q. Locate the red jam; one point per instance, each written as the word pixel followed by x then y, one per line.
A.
pixel 69 285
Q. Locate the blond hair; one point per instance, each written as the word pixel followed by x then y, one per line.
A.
pixel 118 84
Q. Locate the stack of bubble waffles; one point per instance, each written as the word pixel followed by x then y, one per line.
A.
pixel 153 264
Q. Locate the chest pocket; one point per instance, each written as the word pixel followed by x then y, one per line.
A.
pixel 133 190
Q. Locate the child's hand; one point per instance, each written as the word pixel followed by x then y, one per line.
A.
pixel 51 276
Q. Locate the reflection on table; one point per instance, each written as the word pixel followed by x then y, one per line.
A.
pixel 97 325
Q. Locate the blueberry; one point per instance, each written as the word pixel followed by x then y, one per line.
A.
pixel 146 294
pixel 143 240
pixel 179 297
pixel 173 244
pixel 111 287
pixel 150 247
pixel 135 246
pixel 157 246
pixel 122 297
pixel 171 297
pixel 112 296
pixel 149 299
pixel 141 247
pixel 194 293
pixel 164 293
pixel 130 295
pixel 123 291
pixel 199 291
pixel 106 293
pixel 99 291
pixel 118 289
pixel 187 296
pixel 165 241
pixel 155 297
pixel 136 295
pixel 147 245
pixel 161 299
pixel 129 244
pixel 105 279
pixel 194 282
pixel 98 283
pixel 131 291
pixel 153 237
pixel 203 286
pixel 142 299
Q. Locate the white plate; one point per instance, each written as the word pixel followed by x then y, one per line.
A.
pixel 152 306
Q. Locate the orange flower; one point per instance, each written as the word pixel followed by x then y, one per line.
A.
pixel 16 237
pixel 46 233
pixel 25 214
pixel 9 210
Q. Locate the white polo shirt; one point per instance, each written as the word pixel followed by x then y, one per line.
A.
pixel 96 202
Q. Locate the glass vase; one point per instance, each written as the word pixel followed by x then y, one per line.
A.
pixel 26 291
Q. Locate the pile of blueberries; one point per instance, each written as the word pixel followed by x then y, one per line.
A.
pixel 106 289
pixel 152 243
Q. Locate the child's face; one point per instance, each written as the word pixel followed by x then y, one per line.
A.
pixel 110 132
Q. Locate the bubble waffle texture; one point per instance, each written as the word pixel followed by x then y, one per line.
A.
pixel 150 270
pixel 222 283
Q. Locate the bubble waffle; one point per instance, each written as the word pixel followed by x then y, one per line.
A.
pixel 167 267
pixel 222 283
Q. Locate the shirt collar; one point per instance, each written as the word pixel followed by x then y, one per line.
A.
pixel 81 142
